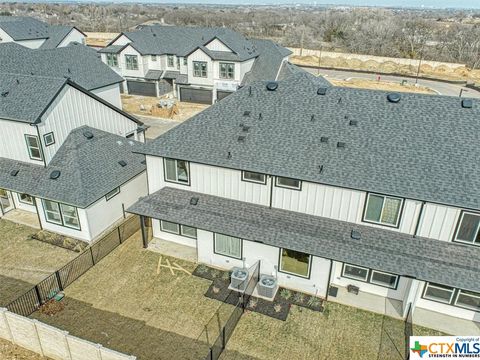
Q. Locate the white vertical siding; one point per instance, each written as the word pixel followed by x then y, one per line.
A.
pixel 179 239
pixel 122 40
pixel 4 37
pixel 217 45
pixel 438 222
pixel 142 63
pixel 22 205
pixel 73 36
pixel 245 67
pixel 72 109
pixel 199 55
pixel 12 140
pixel 32 44
pixel 111 94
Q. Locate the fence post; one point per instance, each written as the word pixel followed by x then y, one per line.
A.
pixel 119 234
pixel 59 281
pixel 39 298
pixel 91 254
pixel 35 322
pixel 211 354
pixel 223 338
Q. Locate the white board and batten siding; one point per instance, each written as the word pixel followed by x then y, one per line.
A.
pixel 164 235
pixel 217 45
pixel 438 222
pixel 110 93
pixel 12 141
pixel 72 109
pixel 73 36
pixel 199 55
pixel 22 205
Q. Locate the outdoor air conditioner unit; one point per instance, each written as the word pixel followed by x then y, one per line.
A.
pixel 239 278
pixel 267 286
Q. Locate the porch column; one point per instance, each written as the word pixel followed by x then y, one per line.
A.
pixel 144 232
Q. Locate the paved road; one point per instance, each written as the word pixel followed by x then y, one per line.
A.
pixel 440 87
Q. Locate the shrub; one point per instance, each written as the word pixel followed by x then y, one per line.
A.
pixel 252 303
pixel 313 301
pixel 277 308
pixel 215 273
pixel 286 294
pixel 226 276
pixel 202 269
pixel 298 298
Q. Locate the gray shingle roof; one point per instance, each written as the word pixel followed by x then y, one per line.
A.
pixel 424 147
pixel 24 28
pixel 89 169
pixel 25 98
pixel 425 259
pixel 56 33
pixel 153 74
pixel 112 49
pixel 77 62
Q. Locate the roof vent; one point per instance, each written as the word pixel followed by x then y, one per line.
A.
pixel 143 162
pixel 246 113
pixel 55 174
pixel 245 128
pixel 260 117
pixel 241 139
pixel 353 123
pixel 312 119
pixel 324 139
pixel 340 145
pixel 229 155
pixel 194 201
pixel 249 91
pixel 394 97
pixel 322 91
pixel 320 169
pixel 14 172
pixel 88 134
pixel 467 103
pixel 4 94
pixel 122 163
pixel 272 86
pixel 356 235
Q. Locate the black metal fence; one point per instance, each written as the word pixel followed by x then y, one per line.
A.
pixel 224 332
pixel 46 289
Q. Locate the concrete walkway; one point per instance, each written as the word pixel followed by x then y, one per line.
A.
pixel 445 323
pixel 170 248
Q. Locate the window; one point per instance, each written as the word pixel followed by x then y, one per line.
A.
pixel 185 61
pixel 154 57
pixel 170 227
pixel 438 293
pixel 295 262
pixel 468 230
pixel 200 69
pixel 61 214
pixel 33 146
pixel 371 276
pixel 384 210
pixel 112 60
pixel 254 177
pixel 228 246
pixel 178 63
pixel 170 60
pixel 188 231
pixel 288 183
pixel 468 300
pixel 25 198
pixel 49 139
pixel 227 71
pixel 177 171
pixel 112 193
pixel 132 62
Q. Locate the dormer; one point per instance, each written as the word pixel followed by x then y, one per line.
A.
pixel 217 45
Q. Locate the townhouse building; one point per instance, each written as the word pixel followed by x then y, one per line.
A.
pixel 195 64
pixel 75 62
pixel 36 34
pixel 66 155
pixel 363 197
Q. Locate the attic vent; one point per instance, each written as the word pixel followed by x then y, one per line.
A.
pixel 241 139
pixel 194 201
pixel 14 172
pixel 4 94
pixel 353 123
pixel 394 97
pixel 122 163
pixel 324 139
pixel 322 91
pixel 246 113
pixel 355 234
pixel 272 86
pixel 467 103
pixel 88 134
pixel 245 128
pixel 55 174
pixel 340 145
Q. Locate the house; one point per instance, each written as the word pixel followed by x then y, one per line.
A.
pixel 66 155
pixel 36 34
pixel 76 62
pixel 196 64
pixel 363 197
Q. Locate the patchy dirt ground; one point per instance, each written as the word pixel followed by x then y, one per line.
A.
pixel 24 262
pixel 99 39
pixel 381 85
pixel 10 351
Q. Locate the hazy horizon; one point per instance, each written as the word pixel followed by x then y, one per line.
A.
pixel 440 4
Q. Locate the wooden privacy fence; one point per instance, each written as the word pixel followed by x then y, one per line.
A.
pixel 50 341
pixel 46 289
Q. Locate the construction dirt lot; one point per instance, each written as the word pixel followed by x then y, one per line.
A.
pixel 9 351
pixel 381 85
pixel 21 265
pixel 130 304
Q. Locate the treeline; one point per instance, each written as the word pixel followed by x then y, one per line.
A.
pixel 451 36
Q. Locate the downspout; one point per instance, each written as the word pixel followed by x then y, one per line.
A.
pixel 271 190
pixel 329 279
pixel 417 226
pixel 38 214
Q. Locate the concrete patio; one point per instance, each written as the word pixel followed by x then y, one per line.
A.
pixel 445 323
pixel 170 248
pixel 23 217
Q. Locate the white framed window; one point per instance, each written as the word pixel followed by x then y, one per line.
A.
pixel 70 216
pixel 355 272
pixel 288 183
pixel 49 139
pixel 170 60
pixel 112 193
pixel 188 231
pixel 254 177
pixel 383 279
pixel 227 246
pixel 112 60
pixel 178 63
pixel 177 171
pixel 52 212
pixel 200 69
pixel 383 210
pixel 227 71
pixel 33 147
pixel 440 293
pixel 468 300
pixel 371 276
pixel 61 214
pixel 25 198
pixel 468 228
pixel 295 263
pixel 170 227
pixel 185 61
pixel 131 62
